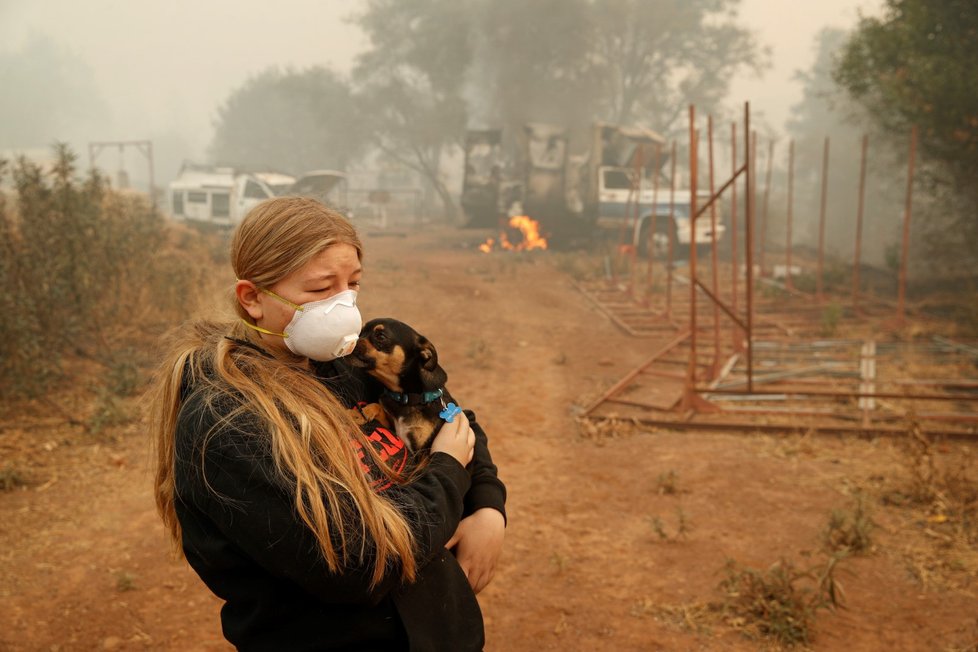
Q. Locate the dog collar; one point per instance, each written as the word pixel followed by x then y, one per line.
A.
pixel 415 399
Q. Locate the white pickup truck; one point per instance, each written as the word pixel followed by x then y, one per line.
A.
pixel 616 210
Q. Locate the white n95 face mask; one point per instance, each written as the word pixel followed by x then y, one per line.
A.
pixel 322 330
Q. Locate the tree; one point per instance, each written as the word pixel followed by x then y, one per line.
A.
pixel 622 61
pixel 826 110
pixel 293 121
pixel 412 80
pixel 536 63
pixel 657 56
pixel 824 107
pixel 914 65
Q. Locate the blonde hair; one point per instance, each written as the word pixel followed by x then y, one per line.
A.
pixel 308 431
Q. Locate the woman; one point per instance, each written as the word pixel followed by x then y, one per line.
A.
pixel 287 497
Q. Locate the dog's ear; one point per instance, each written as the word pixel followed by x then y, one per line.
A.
pixel 432 375
pixel 429 357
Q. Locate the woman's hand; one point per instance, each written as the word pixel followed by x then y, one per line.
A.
pixel 478 542
pixel 456 438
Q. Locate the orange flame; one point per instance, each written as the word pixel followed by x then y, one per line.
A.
pixel 530 229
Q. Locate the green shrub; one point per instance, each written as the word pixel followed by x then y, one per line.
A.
pixel 85 270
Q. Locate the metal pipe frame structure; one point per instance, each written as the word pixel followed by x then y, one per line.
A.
pixel 650 239
pixel 819 289
pixel 714 259
pixel 841 386
pixel 671 231
pixel 905 248
pixel 765 205
pixel 791 203
pixel 734 272
pixel 144 147
pixel 635 195
pixel 691 399
pixel 859 225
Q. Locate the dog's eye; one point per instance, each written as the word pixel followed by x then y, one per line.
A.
pixel 380 337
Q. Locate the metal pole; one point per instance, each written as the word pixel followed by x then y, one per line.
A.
pixel 619 253
pixel 152 181
pixel 670 229
pixel 714 262
pixel 859 225
pixel 905 250
pixel 750 159
pixel 791 199
pixel 637 167
pixel 691 367
pixel 764 207
pixel 650 240
pixel 821 219
pixel 733 228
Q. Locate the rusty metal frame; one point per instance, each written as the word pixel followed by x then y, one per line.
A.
pixel 905 245
pixel 707 393
pixel 691 399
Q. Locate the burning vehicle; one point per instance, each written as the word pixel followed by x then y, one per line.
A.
pixel 605 189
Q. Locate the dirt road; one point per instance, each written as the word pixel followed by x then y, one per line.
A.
pixel 616 540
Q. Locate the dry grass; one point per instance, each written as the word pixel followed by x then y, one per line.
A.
pixel 937 492
pixel 698 617
pixel 599 430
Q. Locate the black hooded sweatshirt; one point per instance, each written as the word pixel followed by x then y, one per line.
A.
pixel 241 534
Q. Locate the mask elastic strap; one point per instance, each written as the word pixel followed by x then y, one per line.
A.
pixel 265 330
pixel 282 299
pixel 262 330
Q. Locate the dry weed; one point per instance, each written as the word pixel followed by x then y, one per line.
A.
pixel 668 483
pixel 780 602
pixel 11 478
pixel 849 531
pixel 599 430
pixel 124 582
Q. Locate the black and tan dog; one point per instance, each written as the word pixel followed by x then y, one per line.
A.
pixel 406 363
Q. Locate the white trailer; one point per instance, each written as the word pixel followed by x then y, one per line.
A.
pixel 222 196
pixel 202 194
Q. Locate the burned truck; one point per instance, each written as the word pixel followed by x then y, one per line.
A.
pixel 565 181
pixel 482 179
pixel 532 180
pixel 578 186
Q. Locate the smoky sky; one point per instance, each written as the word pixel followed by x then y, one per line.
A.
pixel 159 70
